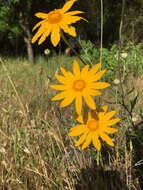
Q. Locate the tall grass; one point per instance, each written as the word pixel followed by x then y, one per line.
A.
pixel 36 152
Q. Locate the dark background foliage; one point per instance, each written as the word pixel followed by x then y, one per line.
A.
pixel 17 20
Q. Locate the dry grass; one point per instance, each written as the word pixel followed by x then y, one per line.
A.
pixel 37 154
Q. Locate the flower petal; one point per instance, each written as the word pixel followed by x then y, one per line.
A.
pixel 106 139
pixel 110 130
pixel 60 96
pixel 38 24
pixel 55 35
pixel 81 139
pixel 100 85
pixel 76 68
pixel 68 5
pixel 79 118
pixel 67 73
pixel 78 103
pixel 41 15
pixel 111 122
pixel 41 30
pixel 61 79
pixel 84 70
pixel 71 13
pixel 87 141
pixel 45 34
pixel 68 29
pixel 77 130
pixel 96 142
pixel 93 92
pixel 95 68
pixel 109 115
pixel 103 110
pixel 68 100
pixel 72 19
pixel 58 87
pixel 89 100
pixel 99 75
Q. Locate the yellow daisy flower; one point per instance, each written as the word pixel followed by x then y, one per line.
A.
pixel 94 125
pixel 78 85
pixel 54 21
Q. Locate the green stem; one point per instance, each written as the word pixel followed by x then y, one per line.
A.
pixel 71 47
pixel 101 36
pixel 120 44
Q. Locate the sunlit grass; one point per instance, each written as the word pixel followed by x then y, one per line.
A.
pixel 36 151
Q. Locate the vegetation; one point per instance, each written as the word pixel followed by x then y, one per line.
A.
pixel 37 150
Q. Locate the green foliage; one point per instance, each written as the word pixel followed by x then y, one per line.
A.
pixel 130 57
pixel 4 13
pixel 8 24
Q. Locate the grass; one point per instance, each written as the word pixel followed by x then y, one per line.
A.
pixel 36 152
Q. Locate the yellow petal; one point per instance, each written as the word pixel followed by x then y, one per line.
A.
pixel 106 139
pixel 71 13
pixel 109 115
pixel 78 103
pixel 60 96
pixel 100 85
pixel 38 24
pixel 93 92
pixel 96 142
pixel 89 101
pixel 76 68
pixel 111 122
pixel 67 74
pixel 84 70
pixel 58 87
pixel 64 71
pixel 99 75
pixel 68 5
pixel 81 139
pixel 103 110
pixel 109 130
pixel 72 19
pixel 45 34
pixel 68 29
pixel 41 15
pixel 68 100
pixel 78 117
pixel 95 68
pixel 77 130
pixel 87 141
pixel 61 79
pixel 39 33
pixel 55 35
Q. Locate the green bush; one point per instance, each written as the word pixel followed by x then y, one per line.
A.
pixel 131 57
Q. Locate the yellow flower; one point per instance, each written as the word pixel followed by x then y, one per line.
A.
pixel 54 21
pixel 94 125
pixel 78 85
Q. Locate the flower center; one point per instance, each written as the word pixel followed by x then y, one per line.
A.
pixel 54 17
pixel 79 85
pixel 93 125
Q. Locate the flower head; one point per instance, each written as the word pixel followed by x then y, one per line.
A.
pixel 79 85
pixel 55 21
pixel 94 125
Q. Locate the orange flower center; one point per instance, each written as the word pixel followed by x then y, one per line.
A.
pixel 54 17
pixel 93 125
pixel 79 85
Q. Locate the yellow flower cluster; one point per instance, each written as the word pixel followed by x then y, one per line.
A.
pixel 80 85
